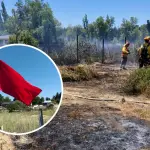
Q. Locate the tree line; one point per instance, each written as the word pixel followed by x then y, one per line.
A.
pixel 34 23
pixel 19 106
pixel 37 101
pixel 36 19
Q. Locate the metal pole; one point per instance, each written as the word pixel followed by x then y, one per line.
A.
pixel 77 48
pixel 40 117
pixel 103 51
pixel 1 128
pixel 125 40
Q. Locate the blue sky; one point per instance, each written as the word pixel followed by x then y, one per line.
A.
pixel 34 66
pixel 72 11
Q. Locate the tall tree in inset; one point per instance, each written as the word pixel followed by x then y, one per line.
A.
pixel 4 11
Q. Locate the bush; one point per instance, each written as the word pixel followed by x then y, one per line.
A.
pixel 24 37
pixel 17 106
pixel 78 73
pixel 138 82
pixel 11 107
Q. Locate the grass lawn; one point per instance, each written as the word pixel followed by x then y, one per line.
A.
pixel 21 122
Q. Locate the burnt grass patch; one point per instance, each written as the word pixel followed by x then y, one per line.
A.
pixel 80 132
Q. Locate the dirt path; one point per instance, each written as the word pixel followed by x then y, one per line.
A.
pixel 93 117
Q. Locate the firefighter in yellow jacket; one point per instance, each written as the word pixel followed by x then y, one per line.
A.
pixel 124 55
pixel 144 53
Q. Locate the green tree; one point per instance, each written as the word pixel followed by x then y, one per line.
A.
pixel 92 30
pixel 1 23
pixel 12 25
pixel 1 98
pixel 101 28
pixel 56 98
pixel 14 99
pixel 109 23
pixel 144 32
pixel 85 24
pixel 6 99
pixel 148 26
pixel 49 28
pixel 41 100
pixel 59 29
pixel 80 31
pixel 128 29
pixel 12 107
pixel 28 27
pixel 36 18
pixel 24 37
pixel 17 105
pixel 4 12
pixel 20 15
pixel 38 101
pixel 47 99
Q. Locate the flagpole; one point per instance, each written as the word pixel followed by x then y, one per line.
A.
pixel 40 117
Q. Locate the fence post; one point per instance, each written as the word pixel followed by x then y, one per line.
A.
pixel 1 128
pixel 40 117
pixel 77 48
pixel 103 51
pixel 125 40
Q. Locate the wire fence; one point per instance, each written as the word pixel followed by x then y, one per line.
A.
pixel 84 50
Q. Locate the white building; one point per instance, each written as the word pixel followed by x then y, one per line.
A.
pixel 46 103
pixel 4 40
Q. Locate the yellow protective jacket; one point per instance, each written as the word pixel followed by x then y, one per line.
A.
pixel 125 51
pixel 148 49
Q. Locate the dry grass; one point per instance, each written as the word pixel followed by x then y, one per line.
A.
pixel 78 73
pixel 139 111
pixel 143 113
pixel 21 122
pixel 74 115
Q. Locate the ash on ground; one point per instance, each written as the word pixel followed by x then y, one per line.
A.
pixel 72 129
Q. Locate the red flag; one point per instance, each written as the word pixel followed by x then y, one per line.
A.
pixel 12 83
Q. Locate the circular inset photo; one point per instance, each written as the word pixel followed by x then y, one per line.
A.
pixel 31 89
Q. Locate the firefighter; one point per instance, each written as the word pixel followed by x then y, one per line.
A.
pixel 124 55
pixel 144 53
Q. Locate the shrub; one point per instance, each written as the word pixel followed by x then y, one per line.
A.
pixel 24 37
pixel 78 73
pixel 138 82
pixel 17 106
